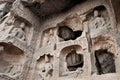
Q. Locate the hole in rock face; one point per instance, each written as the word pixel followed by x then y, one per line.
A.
pixel 105 62
pixel 74 61
pixel 100 8
pixel 77 34
pixel 67 33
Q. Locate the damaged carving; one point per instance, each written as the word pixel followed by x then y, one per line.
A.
pixel 58 40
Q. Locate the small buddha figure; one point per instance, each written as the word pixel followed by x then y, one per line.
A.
pixel 51 37
pixel 45 39
pixel 48 68
pixel 46 72
pixel 21 33
pixel 98 20
pixel 18 32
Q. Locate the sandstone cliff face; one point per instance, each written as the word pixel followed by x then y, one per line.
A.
pixel 59 39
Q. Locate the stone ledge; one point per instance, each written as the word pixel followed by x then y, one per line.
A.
pixel 95 77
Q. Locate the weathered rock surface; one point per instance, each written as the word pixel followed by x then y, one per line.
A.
pixel 59 40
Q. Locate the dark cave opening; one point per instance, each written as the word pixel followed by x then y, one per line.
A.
pixel 67 33
pixel 100 8
pixel 105 62
pixel 77 34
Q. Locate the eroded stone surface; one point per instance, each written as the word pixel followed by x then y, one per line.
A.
pixel 58 40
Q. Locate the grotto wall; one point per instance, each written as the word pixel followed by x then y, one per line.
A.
pixel 60 39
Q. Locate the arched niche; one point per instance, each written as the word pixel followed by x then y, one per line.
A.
pixel 101 9
pixel 49 37
pixel 71 59
pixel 105 42
pixel 70 28
pixel 41 61
pixel 98 18
pixel 26 28
pixel 16 28
pixel 105 54
pixel 105 62
pixel 74 61
pixel 12 60
pixel 44 67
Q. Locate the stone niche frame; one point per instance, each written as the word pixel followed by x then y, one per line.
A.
pixel 42 63
pixel 49 37
pixel 73 23
pixel 62 60
pixel 28 28
pixel 106 42
pixel 98 20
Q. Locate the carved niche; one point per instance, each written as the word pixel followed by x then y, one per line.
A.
pixel 70 28
pixel 12 60
pixel 105 53
pixel 49 37
pixel 71 60
pixel 22 30
pixel 15 28
pixel 98 20
pixel 44 67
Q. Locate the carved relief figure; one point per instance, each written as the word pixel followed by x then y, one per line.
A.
pixel 18 32
pixel 46 71
pixel 49 37
pixel 66 33
pixel 48 68
pixel 45 39
pixel 12 28
pixel 6 25
pixel 14 69
pixel 97 21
